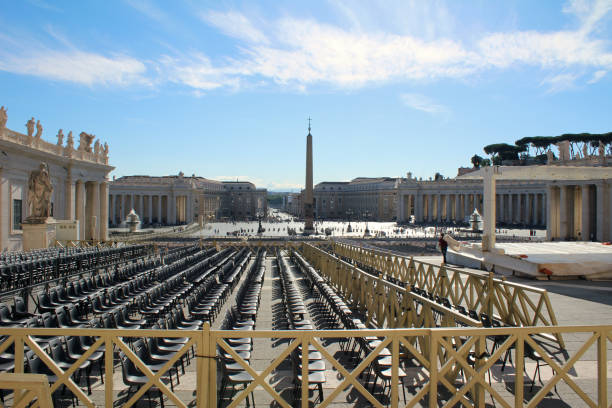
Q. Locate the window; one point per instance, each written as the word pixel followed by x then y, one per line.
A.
pixel 17 214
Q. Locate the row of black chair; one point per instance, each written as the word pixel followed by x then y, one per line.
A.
pixel 242 317
pixel 22 269
pixel 357 348
pixel 298 313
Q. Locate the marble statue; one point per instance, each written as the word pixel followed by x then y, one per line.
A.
pixel 585 151
pixel 105 150
pixel 97 148
pixel 549 156
pixel 85 142
pixel 39 193
pixel 30 127
pixel 564 153
pixel 601 150
pixel 60 137
pixel 39 130
pixel 3 117
pixel 70 141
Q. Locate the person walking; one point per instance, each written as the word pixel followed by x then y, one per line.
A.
pixel 443 247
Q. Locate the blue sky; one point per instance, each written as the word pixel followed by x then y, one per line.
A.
pixel 223 89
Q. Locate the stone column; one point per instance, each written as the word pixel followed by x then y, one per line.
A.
pixel 141 206
pixel 510 208
pixel 520 212
pixel 601 201
pixel 553 212
pixel 458 217
pixel 488 228
pixel 159 209
pixel 538 209
pixel 80 208
pixel 585 231
pixel 502 208
pixel 418 207
pixel 430 205
pixel 466 205
pixel 111 198
pixel 122 205
pixel 449 207
pixel 103 219
pixel 564 212
pixel 439 207
pixel 92 210
pixel 170 205
pixel 69 197
pixel 150 209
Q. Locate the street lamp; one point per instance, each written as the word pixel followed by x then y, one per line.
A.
pixel 260 229
pixel 366 215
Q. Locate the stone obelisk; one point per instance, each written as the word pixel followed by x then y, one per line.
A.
pixel 308 198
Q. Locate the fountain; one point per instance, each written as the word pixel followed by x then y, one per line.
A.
pixel 132 221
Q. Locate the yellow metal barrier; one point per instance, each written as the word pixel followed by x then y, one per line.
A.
pixel 512 303
pixel 30 386
pixel 384 304
pixel 451 370
pixel 109 340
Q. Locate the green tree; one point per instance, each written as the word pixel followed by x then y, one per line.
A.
pixel 503 151
pixel 476 161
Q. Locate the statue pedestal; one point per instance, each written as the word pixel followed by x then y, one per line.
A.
pixel 67 230
pixel 38 233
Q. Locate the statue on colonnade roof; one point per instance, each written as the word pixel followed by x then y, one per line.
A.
pixel 39 130
pixel 30 126
pixel 3 117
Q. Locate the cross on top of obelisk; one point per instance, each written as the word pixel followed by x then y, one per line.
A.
pixel 309 124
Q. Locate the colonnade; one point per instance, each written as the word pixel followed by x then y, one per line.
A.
pixel 513 208
pixel 521 208
pixel 579 211
pixel 90 200
pixel 151 208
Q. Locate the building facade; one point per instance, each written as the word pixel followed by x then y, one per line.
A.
pixel 78 175
pixel 178 200
pixel 570 210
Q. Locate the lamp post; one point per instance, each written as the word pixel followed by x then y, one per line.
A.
pixel 366 215
pixel 349 212
pixel 260 229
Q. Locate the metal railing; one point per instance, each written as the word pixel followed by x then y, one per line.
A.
pixel 452 369
pixel 513 303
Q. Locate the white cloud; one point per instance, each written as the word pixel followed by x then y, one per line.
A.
pixel 299 53
pixel 560 82
pixel 558 49
pixel 597 75
pixel 304 52
pixel 589 12
pixel 75 66
pixel 234 25
pixel 150 10
pixel 422 103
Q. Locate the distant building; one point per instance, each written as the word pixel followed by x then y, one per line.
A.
pixel 177 200
pixel 292 203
